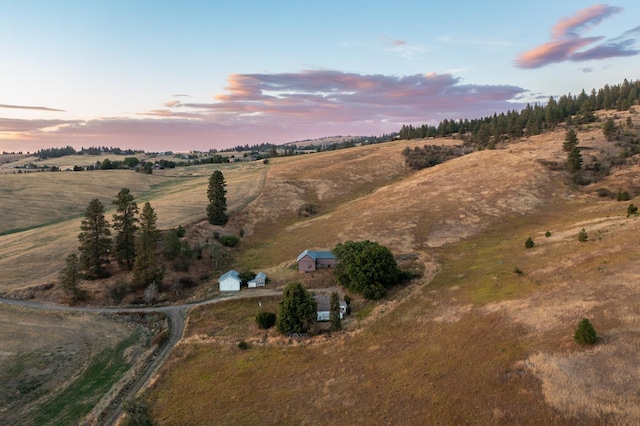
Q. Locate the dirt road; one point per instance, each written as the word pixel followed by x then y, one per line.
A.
pixel 176 315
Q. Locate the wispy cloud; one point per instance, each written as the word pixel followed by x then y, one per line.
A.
pixel 284 107
pixel 34 108
pixel 567 42
pixel 402 47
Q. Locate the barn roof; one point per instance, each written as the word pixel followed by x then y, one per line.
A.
pixel 230 274
pixel 315 255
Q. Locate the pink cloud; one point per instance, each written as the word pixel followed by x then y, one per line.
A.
pixel 566 40
pixel 281 108
pixel 583 20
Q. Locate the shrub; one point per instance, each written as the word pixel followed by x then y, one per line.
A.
pixel 585 333
pixel 582 236
pixel 517 271
pixel 547 234
pixel 623 196
pixel 266 320
pixel 243 345
pixel 529 243
pixel 631 209
pixel 229 240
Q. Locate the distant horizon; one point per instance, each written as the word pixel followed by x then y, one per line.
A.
pixel 195 76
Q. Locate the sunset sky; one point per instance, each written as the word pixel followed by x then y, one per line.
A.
pixel 195 75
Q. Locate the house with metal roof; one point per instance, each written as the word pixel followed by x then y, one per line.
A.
pixel 309 261
pixel 323 308
pixel 230 281
pixel 259 281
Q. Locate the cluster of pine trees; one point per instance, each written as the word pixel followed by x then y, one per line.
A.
pixel 533 119
pixel 133 246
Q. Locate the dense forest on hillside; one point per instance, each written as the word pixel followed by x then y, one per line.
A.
pixel 533 119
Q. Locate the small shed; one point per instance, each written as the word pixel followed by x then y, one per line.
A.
pixel 323 309
pixel 309 261
pixel 230 281
pixel 259 281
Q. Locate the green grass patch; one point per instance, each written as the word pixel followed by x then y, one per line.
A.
pixel 81 396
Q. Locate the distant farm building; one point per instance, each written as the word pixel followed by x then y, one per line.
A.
pixel 309 261
pixel 259 281
pixel 323 310
pixel 230 281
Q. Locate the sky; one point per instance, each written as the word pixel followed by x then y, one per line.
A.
pixel 199 75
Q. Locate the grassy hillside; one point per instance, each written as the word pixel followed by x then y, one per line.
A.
pixel 487 341
pixel 484 337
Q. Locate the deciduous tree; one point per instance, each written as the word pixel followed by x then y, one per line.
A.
pixel 95 241
pixel 366 267
pixel 217 195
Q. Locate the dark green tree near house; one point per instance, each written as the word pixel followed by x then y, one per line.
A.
pixel 217 195
pixel 366 267
pixel 95 241
pixel 125 222
pixel 297 312
pixel 145 268
pixel 334 312
pixel 70 277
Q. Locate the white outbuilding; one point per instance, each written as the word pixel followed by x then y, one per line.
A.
pixel 230 281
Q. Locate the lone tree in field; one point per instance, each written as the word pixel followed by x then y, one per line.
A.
pixel 334 312
pixel 217 195
pixel 297 310
pixel 125 223
pixel 582 236
pixel 70 277
pixel 609 129
pixel 574 159
pixel 585 333
pixel 95 241
pixel 529 243
pixel 145 269
pixel 366 267
pixel 570 140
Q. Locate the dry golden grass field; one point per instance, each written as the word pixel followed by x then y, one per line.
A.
pixel 484 337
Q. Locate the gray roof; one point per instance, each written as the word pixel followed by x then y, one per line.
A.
pixel 233 274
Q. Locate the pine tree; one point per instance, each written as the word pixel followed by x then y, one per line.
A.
pixel 126 223
pixel 585 334
pixel 70 277
pixel 297 310
pixel 575 159
pixel 95 241
pixel 570 140
pixel 334 312
pixel 609 129
pixel 145 269
pixel 216 193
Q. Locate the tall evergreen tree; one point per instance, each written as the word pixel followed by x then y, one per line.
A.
pixel 297 310
pixel 125 223
pixel 95 241
pixel 217 195
pixel 570 140
pixel 70 277
pixel 575 159
pixel 334 312
pixel 145 269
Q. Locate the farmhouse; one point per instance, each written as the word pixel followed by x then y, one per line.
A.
pixel 259 281
pixel 229 281
pixel 324 308
pixel 309 261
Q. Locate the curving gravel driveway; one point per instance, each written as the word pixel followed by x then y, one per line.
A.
pixel 176 315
